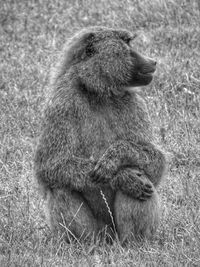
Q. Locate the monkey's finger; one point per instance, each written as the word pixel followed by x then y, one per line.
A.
pixel 146 195
pixel 94 174
pixel 148 185
pixel 142 198
pixel 148 190
pixel 101 180
pixel 97 179
pixel 104 181
pixel 96 168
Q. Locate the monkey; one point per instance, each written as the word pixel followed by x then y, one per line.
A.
pixel 96 162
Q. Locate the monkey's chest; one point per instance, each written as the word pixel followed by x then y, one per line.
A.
pixel 99 133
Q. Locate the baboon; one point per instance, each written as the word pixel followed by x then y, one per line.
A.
pixel 96 161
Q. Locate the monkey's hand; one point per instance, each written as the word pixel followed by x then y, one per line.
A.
pixel 134 183
pixel 118 154
pixel 152 161
pixel 104 170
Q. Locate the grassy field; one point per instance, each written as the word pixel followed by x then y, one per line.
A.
pixel 31 34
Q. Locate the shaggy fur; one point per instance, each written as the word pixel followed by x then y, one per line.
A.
pixel 97 138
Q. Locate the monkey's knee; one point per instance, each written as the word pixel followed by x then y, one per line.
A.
pixel 68 214
pixel 136 220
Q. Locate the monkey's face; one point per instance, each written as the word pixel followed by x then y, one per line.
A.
pixel 105 60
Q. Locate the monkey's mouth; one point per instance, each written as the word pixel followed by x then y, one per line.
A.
pixel 142 77
pixel 145 76
pixel 148 73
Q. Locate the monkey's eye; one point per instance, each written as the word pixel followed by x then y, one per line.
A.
pixel 129 39
pixel 90 50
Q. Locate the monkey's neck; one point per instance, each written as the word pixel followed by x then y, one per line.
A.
pixel 95 98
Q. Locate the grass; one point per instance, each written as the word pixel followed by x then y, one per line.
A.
pixel 31 34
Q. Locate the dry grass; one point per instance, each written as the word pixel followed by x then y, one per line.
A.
pixel 31 33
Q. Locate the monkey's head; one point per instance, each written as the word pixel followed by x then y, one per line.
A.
pixel 104 61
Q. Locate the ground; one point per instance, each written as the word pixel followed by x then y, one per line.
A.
pixel 31 35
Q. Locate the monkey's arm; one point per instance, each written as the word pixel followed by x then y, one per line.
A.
pixel 141 155
pixel 62 172
pixel 56 163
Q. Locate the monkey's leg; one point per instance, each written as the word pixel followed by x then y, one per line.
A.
pixel 135 219
pixel 68 213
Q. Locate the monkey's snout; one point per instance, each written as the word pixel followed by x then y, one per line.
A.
pixel 151 63
pixel 150 67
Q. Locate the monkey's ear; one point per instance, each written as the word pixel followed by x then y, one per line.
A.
pixel 82 48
